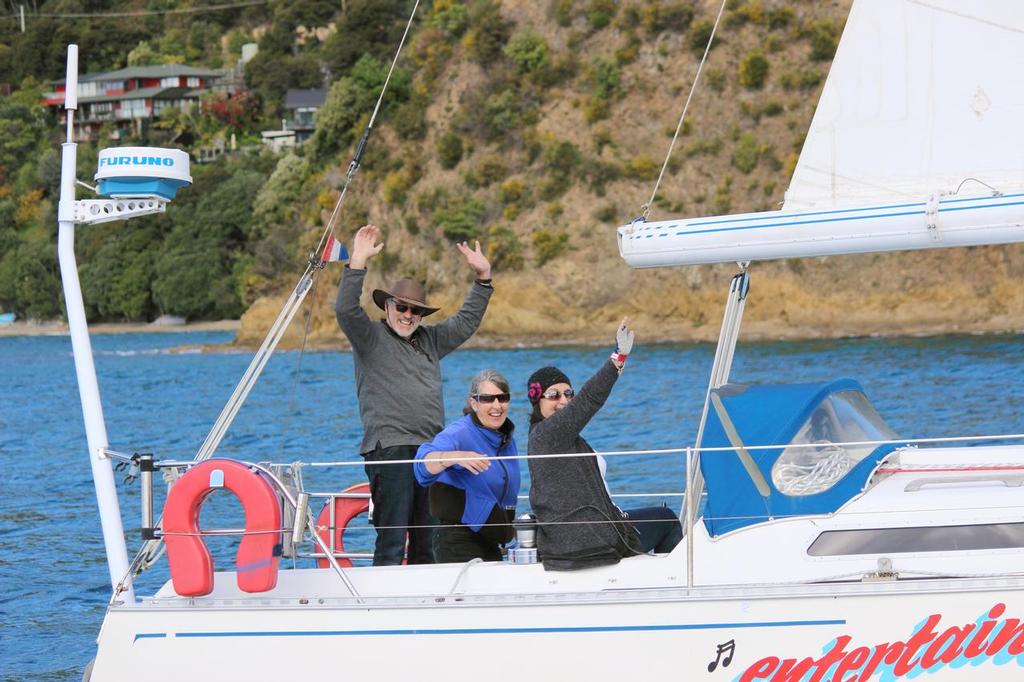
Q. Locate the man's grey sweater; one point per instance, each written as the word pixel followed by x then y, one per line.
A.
pixel 398 381
pixel 579 526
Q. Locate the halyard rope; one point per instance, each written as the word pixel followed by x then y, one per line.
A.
pixel 646 208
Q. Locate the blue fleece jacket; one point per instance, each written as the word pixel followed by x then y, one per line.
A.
pixel 499 484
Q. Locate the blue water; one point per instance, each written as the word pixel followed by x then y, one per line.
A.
pixel 53 577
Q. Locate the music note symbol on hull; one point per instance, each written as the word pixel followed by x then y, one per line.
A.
pixel 729 646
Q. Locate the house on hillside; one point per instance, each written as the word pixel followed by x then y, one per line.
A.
pixel 131 96
pixel 303 105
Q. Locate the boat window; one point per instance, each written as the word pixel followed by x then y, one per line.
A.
pixel 844 416
pixel 918 539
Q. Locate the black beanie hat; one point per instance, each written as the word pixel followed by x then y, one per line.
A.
pixel 542 379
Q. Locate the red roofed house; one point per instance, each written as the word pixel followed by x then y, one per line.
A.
pixel 130 96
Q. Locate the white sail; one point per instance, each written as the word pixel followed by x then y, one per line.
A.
pixel 922 95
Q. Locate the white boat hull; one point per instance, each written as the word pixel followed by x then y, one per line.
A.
pixel 951 629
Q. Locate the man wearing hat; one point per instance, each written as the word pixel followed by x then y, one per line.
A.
pixel 398 383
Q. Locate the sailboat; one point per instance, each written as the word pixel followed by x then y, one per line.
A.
pixel 819 545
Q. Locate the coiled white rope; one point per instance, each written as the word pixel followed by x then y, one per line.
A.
pixel 830 464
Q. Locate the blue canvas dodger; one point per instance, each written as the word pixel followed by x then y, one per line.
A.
pixel 771 415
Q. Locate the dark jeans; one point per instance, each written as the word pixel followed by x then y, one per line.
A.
pixel 659 528
pixel 400 505
pixel 456 544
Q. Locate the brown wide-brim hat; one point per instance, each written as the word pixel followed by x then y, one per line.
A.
pixel 407 291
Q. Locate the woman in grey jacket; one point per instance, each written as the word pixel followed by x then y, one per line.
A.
pixel 578 525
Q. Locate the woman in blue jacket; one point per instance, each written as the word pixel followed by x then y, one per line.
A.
pixel 473 488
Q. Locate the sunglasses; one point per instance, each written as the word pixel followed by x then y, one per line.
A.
pixel 414 309
pixel 555 395
pixel 490 398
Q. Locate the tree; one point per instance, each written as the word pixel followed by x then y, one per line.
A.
pixel 369 27
pixel 529 52
pixel 143 54
pixel 29 284
pixel 23 127
pixel 270 75
pixel 116 279
pixel 489 32
pixel 350 101
pixel 196 274
pixel 461 219
pixel 238 113
pixel 753 71
pixel 449 150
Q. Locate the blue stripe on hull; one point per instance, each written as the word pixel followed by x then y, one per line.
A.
pixel 503 631
pixel 795 219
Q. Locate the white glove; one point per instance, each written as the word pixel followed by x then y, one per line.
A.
pixel 623 343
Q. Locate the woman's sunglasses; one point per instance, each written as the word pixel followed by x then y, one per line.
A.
pixel 555 395
pixel 414 309
pixel 490 398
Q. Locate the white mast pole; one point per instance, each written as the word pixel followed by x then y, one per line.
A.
pixel 88 386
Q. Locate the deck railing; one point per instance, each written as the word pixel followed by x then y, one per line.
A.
pixel 291 485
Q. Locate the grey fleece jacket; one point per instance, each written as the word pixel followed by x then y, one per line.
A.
pixel 579 526
pixel 398 381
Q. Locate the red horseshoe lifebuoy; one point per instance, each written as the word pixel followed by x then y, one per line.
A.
pixel 345 509
pixel 260 550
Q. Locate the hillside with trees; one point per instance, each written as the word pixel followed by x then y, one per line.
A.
pixel 536 127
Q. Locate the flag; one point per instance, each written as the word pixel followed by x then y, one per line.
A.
pixel 334 250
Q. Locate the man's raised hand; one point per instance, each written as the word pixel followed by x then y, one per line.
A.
pixel 476 259
pixel 364 246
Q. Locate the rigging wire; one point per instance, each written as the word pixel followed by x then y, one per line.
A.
pixel 152 549
pixel 756 518
pixel 646 208
pixel 725 449
pixel 313 267
pixel 315 258
pixel 297 372
pixel 358 156
pixel 145 13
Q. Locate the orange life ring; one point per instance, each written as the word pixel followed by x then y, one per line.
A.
pixel 260 549
pixel 345 509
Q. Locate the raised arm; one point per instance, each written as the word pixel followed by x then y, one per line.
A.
pixel 575 416
pixel 454 331
pixel 352 319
